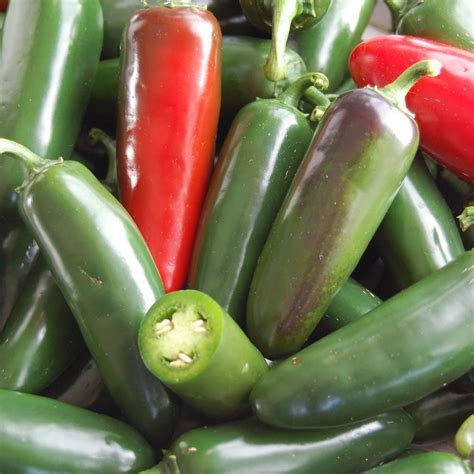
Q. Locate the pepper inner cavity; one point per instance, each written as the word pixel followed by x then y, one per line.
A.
pixel 179 337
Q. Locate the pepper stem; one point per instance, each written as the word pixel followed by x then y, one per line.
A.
pixel 396 91
pixel 466 218
pixel 168 465
pixel 295 91
pixel 397 9
pixel 284 11
pixel 31 160
pixel 98 135
pixel 315 97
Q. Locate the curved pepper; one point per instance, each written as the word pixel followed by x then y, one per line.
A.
pixel 326 47
pixel 431 462
pixel 336 202
pixel 194 347
pixel 464 439
pixel 443 106
pixel 266 143
pixel 43 435
pixel 164 167
pixel 409 346
pixel 40 338
pixel 282 16
pixel 109 285
pixel 447 22
pixel 250 446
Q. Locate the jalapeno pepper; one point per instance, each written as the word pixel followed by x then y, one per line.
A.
pixel 409 346
pixel 438 20
pixel 442 106
pixel 266 143
pixel 282 16
pixel 326 47
pixel 164 167
pixel 250 446
pixel 40 338
pixel 433 462
pixel 109 285
pixel 336 201
pixel 193 346
pixel 39 434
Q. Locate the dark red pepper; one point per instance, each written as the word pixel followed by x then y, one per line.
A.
pixel 169 107
pixel 3 5
pixel 443 106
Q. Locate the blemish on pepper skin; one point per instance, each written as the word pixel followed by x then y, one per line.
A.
pixel 95 281
pixel 192 449
pixel 295 360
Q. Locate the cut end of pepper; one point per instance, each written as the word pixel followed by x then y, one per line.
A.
pixel 466 218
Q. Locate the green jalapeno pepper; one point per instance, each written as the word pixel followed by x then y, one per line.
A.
pixel 418 235
pixel 38 434
pixel 194 347
pixel 282 16
pixel 439 415
pixel 266 143
pixel 40 338
pixel 406 348
pixel 464 439
pixel 250 446
pixel 109 285
pixel 432 462
pixel 326 46
pixel 447 22
pixel 335 204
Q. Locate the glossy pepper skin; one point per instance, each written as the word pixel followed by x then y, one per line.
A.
pixel 464 439
pixel 282 16
pixel 38 434
pixel 418 235
pixel 109 285
pixel 433 462
pixel 194 347
pixel 440 414
pixel 437 20
pixel 442 106
pixel 326 47
pixel 118 12
pixel 62 41
pixel 406 348
pixel 164 169
pixel 41 337
pixel 336 201
pixel 260 156
pixel 250 446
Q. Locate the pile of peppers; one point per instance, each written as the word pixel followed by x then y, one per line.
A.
pixel 236 238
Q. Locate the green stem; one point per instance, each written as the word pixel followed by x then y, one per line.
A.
pixel 317 113
pixel 396 91
pixel 295 91
pixel 397 9
pixel 464 439
pixel 315 97
pixel 168 465
pixel 98 135
pixel 466 218
pixel 284 11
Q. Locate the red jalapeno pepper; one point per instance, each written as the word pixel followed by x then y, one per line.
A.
pixel 169 107
pixel 443 106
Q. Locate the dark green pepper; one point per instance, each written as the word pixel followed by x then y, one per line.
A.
pixel 335 204
pixel 251 447
pixel 447 22
pixel 193 346
pixel 266 143
pixel 41 337
pixel 406 348
pixel 440 414
pixel 109 284
pixel 429 463
pixel 418 235
pixel 38 434
pixel 282 16
pixel 326 46
pixel 43 96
